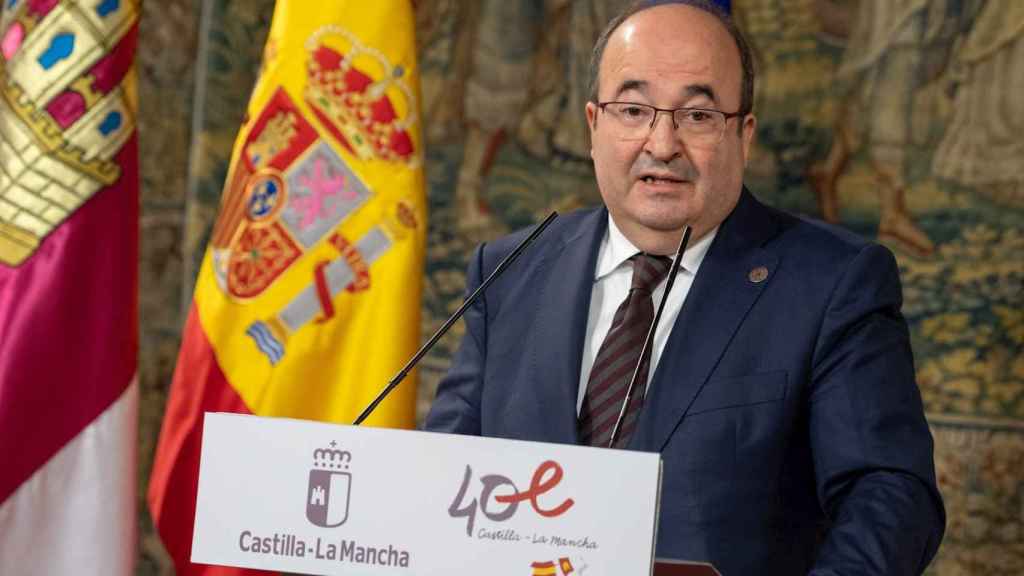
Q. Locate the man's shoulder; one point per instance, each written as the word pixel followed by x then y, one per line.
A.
pixel 816 241
pixel 565 228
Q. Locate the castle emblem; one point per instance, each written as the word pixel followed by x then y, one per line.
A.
pixel 64 112
pixel 330 486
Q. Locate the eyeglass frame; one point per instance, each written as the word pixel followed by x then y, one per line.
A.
pixel 672 113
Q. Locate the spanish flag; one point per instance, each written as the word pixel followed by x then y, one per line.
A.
pixel 543 569
pixel 69 203
pixel 308 298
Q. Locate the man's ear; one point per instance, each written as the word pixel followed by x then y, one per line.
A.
pixel 591 111
pixel 749 130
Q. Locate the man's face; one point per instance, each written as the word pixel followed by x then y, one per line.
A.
pixel 669 57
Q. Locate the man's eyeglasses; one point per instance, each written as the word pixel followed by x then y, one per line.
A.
pixel 699 126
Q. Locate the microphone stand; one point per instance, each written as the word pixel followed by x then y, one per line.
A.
pixel 649 339
pixel 505 263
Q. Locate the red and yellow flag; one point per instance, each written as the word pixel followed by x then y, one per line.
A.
pixel 308 298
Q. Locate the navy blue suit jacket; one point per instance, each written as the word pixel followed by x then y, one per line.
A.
pixel 786 411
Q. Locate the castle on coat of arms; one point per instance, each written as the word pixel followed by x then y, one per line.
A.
pixel 64 112
pixel 297 178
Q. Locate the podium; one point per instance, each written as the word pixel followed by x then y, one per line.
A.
pixel 317 498
pixel 681 568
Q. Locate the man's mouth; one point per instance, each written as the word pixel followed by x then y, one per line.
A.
pixel 651 179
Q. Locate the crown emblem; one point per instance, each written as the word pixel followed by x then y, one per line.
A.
pixel 331 458
pixel 360 97
pixel 330 487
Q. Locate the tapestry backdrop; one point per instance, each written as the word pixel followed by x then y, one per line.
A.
pixel 899 119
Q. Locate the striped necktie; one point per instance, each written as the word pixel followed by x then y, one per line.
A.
pixel 618 357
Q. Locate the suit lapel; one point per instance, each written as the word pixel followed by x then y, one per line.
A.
pixel 719 299
pixel 565 283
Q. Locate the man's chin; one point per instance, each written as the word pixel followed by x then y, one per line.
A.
pixel 654 218
pixel 665 219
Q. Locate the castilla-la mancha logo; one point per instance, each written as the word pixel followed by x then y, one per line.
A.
pixel 330 486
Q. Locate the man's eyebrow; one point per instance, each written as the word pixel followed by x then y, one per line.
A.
pixel 691 91
pixel 700 90
pixel 627 85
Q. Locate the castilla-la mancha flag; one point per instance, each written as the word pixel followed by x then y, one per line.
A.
pixel 68 296
pixel 308 298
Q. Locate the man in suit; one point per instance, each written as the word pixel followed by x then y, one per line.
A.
pixel 781 393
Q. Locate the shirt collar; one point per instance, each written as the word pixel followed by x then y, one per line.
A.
pixel 616 249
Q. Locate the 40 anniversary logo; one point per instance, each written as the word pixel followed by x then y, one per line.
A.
pixel 545 478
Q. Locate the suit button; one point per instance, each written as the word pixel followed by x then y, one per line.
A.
pixel 758 274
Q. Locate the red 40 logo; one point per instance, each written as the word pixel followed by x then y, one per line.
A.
pixel 545 477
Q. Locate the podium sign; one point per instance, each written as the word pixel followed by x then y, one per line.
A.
pixel 316 498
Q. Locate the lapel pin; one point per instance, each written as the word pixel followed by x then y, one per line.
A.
pixel 758 274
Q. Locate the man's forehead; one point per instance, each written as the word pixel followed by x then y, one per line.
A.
pixel 684 92
pixel 669 20
pixel 675 43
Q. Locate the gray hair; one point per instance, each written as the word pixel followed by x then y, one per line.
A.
pixel 746 57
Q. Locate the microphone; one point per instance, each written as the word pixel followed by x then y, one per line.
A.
pixel 649 339
pixel 505 263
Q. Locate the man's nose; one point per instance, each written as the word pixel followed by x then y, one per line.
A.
pixel 664 142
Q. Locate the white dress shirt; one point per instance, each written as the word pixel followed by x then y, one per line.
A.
pixel 612 279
